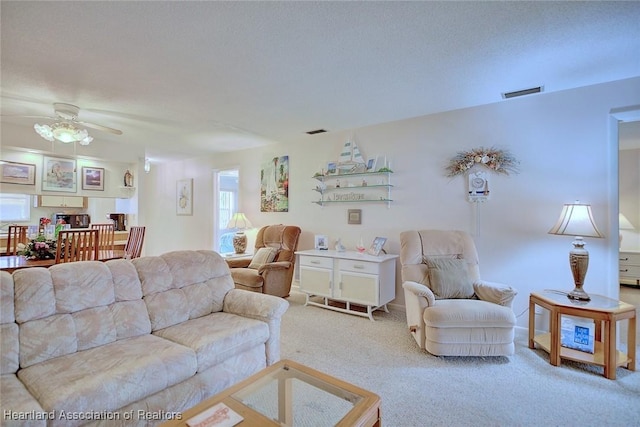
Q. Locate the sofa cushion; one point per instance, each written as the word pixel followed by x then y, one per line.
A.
pixel 183 285
pixel 262 256
pixel 449 278
pixel 110 376
pixel 17 399
pixel 79 286
pixel 6 298
pixel 47 338
pixel 9 348
pixel 468 314
pixel 217 337
pixel 247 277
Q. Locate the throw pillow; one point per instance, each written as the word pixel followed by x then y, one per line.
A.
pixel 449 278
pixel 263 256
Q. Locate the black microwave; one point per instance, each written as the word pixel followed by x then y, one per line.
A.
pixel 75 220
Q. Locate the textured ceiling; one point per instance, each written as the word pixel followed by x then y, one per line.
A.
pixel 185 78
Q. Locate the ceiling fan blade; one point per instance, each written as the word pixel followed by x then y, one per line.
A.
pixel 99 127
pixel 20 116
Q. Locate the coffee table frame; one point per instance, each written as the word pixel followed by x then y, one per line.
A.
pixel 606 353
pixel 365 413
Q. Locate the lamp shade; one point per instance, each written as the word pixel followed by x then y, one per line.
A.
pixel 576 219
pixel 239 221
pixel 624 223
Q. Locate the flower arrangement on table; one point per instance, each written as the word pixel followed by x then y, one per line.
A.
pixel 500 161
pixel 38 248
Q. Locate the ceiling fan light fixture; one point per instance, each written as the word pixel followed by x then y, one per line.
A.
pixel 86 140
pixel 68 133
pixel 44 131
pixel 64 132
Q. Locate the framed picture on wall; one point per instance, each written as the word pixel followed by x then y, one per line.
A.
pixel 184 197
pixel 17 173
pixel 92 178
pixel 354 216
pixel 59 174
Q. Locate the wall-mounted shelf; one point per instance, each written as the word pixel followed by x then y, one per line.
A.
pixel 365 187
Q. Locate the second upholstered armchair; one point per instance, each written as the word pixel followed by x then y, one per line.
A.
pixel 450 310
pixel 270 271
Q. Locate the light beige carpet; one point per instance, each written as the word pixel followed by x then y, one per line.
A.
pixel 418 389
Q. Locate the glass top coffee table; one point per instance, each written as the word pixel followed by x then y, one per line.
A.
pixel 291 394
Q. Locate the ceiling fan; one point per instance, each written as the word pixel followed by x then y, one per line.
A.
pixel 67 128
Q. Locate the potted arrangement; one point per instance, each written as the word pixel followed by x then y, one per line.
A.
pixel 38 248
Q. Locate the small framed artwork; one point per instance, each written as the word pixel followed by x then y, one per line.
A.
pixel 321 242
pixel 376 245
pixel 354 216
pixel 184 197
pixel 59 174
pixel 17 173
pixel 92 178
pixel 332 168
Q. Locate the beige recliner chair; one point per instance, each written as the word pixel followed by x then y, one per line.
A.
pixel 271 269
pixel 450 311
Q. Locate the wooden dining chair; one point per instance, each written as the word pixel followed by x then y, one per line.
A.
pixel 133 247
pixel 106 235
pixel 77 245
pixel 17 234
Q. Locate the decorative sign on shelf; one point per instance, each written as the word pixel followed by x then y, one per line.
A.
pixel 348 197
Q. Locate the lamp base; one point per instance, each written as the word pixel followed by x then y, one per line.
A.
pixel 579 294
pixel 240 242
pixel 579 262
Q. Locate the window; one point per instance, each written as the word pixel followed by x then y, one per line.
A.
pixel 227 207
pixel 15 207
pixel 225 204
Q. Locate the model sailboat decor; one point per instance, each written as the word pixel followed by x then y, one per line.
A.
pixel 351 161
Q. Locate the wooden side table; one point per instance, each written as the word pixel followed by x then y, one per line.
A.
pixel 605 312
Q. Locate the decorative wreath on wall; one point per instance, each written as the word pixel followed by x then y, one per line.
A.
pixel 499 161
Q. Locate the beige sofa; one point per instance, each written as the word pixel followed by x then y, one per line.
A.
pixel 128 342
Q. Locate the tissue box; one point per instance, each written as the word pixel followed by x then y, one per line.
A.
pixel 577 333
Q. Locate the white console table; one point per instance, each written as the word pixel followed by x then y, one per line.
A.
pixel 348 277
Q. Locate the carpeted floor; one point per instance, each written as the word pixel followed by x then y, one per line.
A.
pixel 418 389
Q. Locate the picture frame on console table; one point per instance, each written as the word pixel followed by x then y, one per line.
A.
pixel 376 246
pixel 321 242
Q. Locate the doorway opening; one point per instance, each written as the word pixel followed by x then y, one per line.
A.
pixel 226 188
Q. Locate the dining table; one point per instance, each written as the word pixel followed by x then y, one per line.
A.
pixel 10 263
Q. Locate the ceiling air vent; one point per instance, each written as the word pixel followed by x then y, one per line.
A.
pixel 507 95
pixel 313 132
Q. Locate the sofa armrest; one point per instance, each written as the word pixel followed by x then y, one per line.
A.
pixel 496 293
pixel 279 265
pixel 417 298
pixel 266 308
pixel 420 290
pixel 238 262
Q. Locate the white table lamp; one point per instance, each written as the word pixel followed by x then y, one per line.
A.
pixel 576 220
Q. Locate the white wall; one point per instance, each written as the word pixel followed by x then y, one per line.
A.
pixel 562 140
